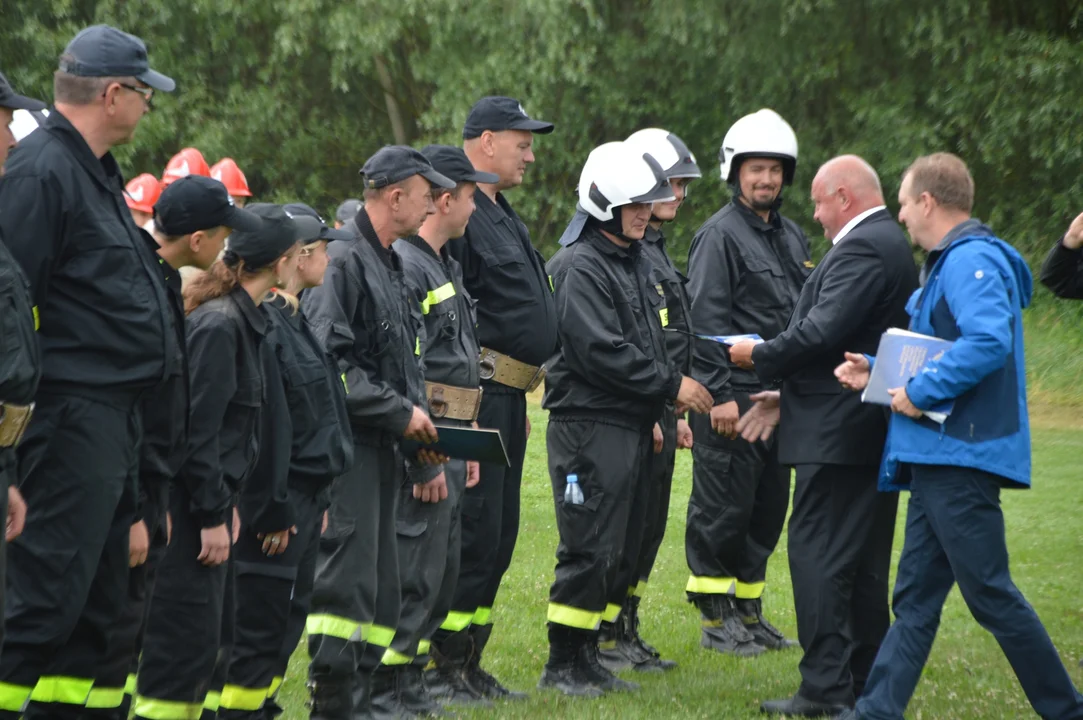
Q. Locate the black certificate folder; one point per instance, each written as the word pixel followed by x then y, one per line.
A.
pixel 464 443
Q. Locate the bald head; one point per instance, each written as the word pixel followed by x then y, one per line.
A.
pixel 844 188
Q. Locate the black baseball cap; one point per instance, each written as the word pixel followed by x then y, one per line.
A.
pixel 395 163
pixel 497 113
pixel 104 51
pixel 295 210
pixel 13 101
pixel 277 233
pixel 348 210
pixel 453 163
pixel 199 203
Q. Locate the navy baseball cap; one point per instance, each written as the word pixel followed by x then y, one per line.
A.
pixel 104 51
pixel 453 163
pixel 277 233
pixel 348 210
pixel 395 163
pixel 13 101
pixel 200 203
pixel 295 210
pixel 497 113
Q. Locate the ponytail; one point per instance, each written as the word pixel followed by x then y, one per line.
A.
pixel 292 301
pixel 218 281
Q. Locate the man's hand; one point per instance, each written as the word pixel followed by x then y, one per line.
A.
pixel 473 473
pixel 724 419
pixel 236 525
pixel 684 434
pixel 138 544
pixel 433 491
pixel 693 396
pixel 216 542
pixel 900 403
pixel 420 428
pixel 168 527
pixel 1073 240
pixel 854 373
pixel 275 543
pixel 16 514
pixel 741 354
pixel 659 439
pixel 326 522
pixel 431 457
pixel 762 418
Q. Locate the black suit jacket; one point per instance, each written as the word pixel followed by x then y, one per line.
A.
pixel 858 291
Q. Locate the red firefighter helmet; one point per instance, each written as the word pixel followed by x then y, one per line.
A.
pixel 226 172
pixel 188 161
pixel 142 192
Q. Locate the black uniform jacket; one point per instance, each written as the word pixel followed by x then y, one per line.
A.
pixel 612 362
pixel 677 310
pixel 102 308
pixel 362 316
pixel 20 356
pixel 1062 272
pixel 744 277
pixel 506 275
pixel 224 336
pixel 858 291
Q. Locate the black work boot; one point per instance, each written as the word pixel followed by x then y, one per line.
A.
pixel 613 650
pixel 652 659
pixel 723 630
pixel 765 633
pixel 329 698
pixel 385 704
pixel 563 671
pixel 590 665
pixel 480 681
pixel 414 695
pixel 447 682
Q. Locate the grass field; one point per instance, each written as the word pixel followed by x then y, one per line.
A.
pixel 967 676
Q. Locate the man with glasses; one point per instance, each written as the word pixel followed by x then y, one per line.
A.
pixel 107 337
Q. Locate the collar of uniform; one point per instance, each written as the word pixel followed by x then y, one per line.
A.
pixel 653 236
pixel 757 222
pixel 105 171
pixel 499 211
pixel 855 221
pixel 419 242
pixel 364 226
pixel 608 247
pixel 252 315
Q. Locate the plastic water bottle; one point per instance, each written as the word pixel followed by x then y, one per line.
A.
pixel 573 494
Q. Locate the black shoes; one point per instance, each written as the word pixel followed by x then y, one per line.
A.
pixel 447 682
pixel 574 668
pixel 799 706
pixel 723 629
pixel 480 681
pixel 763 632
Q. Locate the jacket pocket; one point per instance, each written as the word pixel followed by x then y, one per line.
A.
pixel 501 254
pixel 19 355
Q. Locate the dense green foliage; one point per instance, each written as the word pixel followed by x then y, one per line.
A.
pixel 292 88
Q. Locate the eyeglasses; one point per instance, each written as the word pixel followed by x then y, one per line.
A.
pixel 147 93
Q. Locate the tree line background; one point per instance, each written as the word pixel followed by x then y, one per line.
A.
pixel 301 92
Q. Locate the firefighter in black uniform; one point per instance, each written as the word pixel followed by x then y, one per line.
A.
pixel 363 316
pixel 189 630
pixel 106 339
pixel 746 267
pixel 304 444
pixel 192 218
pixel 517 332
pixel 20 360
pixel 607 386
pixel 429 515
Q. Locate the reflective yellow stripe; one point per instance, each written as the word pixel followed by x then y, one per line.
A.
pixel 335 626
pixel 551 288
pixel 423 647
pixel 104 698
pixel 483 616
pixel 235 697
pixel 37 318
pixel 711 586
pixel 749 591
pixel 381 635
pixel 213 701
pixel 129 687
pixel 573 617
pixel 457 621
pixel 612 612
pixel 275 684
pixel 664 315
pixel 345 386
pixel 638 590
pixel 392 657
pixel 417 346
pixel 13 697
pixel 437 296
pixel 152 709
pixel 65 690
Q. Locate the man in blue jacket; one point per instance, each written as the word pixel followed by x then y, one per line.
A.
pixel 975 287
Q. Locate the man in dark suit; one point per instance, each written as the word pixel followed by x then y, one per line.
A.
pixel 1062 271
pixel 841 528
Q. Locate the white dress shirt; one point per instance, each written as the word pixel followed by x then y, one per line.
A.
pixel 853 223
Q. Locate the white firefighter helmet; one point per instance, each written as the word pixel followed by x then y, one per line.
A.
pixel 24 122
pixel 761 134
pixel 617 174
pixel 672 154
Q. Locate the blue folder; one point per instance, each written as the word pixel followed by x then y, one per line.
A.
pixel 902 355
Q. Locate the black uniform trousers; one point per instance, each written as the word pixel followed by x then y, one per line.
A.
pixel 612 461
pixel 429 542
pixel 190 630
pixel 355 599
pixel 8 470
pixel 661 487
pixel 114 685
pixel 67 575
pixel 736 511
pixel 841 532
pixel 264 611
pixel 490 515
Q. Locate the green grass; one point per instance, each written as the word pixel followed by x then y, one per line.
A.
pixel 967 676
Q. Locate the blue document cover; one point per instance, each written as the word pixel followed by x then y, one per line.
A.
pixel 721 339
pixel 901 355
pixel 464 443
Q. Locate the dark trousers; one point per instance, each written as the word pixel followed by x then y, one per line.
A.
pixel 660 489
pixel 429 543
pixel 8 470
pixel 955 533
pixel 841 531
pixel 640 492
pixel 490 515
pixel 612 462
pixel 115 682
pixel 67 575
pixel 735 513
pixel 190 629
pixel 356 592
pixel 264 588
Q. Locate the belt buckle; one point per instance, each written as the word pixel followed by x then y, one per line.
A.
pixel 438 407
pixel 14 419
pixel 487 365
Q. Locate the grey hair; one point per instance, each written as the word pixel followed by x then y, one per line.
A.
pixel 78 90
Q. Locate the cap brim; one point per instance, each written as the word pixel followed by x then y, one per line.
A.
pixel 437 179
pixel 21 102
pixel 242 220
pixel 308 228
pixel 482 177
pixel 157 80
pixel 534 126
pixel 330 233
